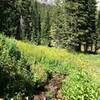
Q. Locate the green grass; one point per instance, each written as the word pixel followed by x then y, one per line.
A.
pixel 82 81
pixel 58 57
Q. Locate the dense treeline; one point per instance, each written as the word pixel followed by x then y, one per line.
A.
pixel 69 24
pixel 25 19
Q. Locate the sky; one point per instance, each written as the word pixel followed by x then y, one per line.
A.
pixel 51 1
pixel 46 1
pixel 98 4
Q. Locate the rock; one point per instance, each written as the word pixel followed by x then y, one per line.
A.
pixel 98 70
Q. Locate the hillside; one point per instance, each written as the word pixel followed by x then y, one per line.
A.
pixel 75 75
pixel 49 50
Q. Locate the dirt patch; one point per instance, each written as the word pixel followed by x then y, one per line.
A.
pixel 53 87
pixel 97 70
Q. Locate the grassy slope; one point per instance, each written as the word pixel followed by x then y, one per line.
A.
pixel 90 62
pixel 63 62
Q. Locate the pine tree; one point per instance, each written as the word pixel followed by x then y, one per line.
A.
pixel 90 23
pixel 66 24
pixel 97 37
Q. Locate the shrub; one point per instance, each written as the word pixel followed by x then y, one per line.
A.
pixel 39 73
pixel 80 85
pixel 14 72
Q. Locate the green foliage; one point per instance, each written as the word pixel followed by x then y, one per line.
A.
pixel 27 20
pixel 39 74
pixel 18 96
pixel 97 34
pixel 36 54
pixel 80 85
pixel 18 78
pixel 98 22
pixel 75 24
pixel 67 24
pixel 80 81
pixel 13 70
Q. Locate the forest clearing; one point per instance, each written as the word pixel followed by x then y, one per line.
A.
pixel 49 50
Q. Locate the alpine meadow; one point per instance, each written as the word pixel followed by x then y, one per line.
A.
pixel 49 50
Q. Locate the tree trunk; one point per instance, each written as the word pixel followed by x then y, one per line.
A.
pixel 91 47
pixel 86 47
pixel 39 41
pixel 49 44
pixel 18 30
pixel 78 48
pixel 96 46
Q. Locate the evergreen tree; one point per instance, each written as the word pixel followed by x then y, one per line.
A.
pixel 89 35
pixel 97 36
pixel 67 23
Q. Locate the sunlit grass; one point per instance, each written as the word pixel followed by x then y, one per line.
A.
pixel 45 54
